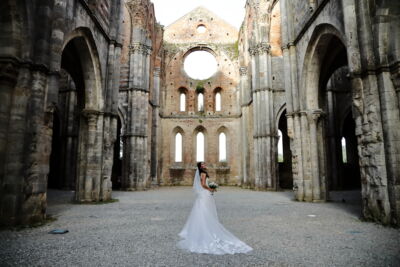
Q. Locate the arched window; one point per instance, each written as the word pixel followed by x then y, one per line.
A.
pixel 178 147
pixel 222 147
pixel 182 102
pixel 200 147
pixel 218 101
pixel 344 150
pixel 200 102
pixel 121 148
pixel 280 147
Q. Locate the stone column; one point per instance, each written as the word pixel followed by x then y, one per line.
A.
pixel 313 117
pixel 36 154
pixel 155 127
pixel 90 157
pixel 366 111
pixel 110 118
pixel 245 101
pixel 135 170
pixel 389 106
pixel 264 137
pixel 332 140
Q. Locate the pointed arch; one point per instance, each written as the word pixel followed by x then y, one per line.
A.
pixel 200 143
pixel 222 135
pixel 83 41
pixel 316 57
pixel 178 144
pixel 218 99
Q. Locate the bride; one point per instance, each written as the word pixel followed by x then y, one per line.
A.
pixel 203 233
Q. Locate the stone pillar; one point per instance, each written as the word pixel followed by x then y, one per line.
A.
pixel 389 106
pixel 245 101
pixel 313 117
pixel 89 184
pixel 332 140
pixel 14 147
pixel 135 169
pixel 155 127
pixel 366 110
pixel 36 153
pixel 264 137
pixel 69 132
pixel 110 118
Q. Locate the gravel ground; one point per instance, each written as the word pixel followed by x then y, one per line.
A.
pixel 141 230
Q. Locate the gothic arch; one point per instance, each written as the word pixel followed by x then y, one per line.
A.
pixel 223 130
pixel 185 91
pixel 281 110
pixel 199 48
pixel 218 90
pixel 314 57
pixel 80 59
pixel 175 131
pixel 82 39
pixel 197 130
pixel 325 53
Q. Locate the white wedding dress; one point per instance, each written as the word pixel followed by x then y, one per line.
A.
pixel 203 233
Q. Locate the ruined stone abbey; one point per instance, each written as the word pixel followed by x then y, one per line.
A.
pixel 94 97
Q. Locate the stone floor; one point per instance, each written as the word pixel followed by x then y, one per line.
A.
pixel 141 230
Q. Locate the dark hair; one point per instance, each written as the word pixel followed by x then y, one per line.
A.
pixel 199 165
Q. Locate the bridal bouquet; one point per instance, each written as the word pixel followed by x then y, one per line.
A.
pixel 213 185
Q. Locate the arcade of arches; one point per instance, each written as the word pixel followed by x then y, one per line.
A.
pixel 95 96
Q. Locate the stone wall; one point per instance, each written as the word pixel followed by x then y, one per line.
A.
pixel 35 41
pixel 312 50
pixel 262 91
pixel 139 95
pixel 318 38
pixel 180 39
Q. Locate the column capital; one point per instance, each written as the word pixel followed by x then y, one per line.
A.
pixel 243 71
pixel 157 71
pixel 140 48
pixel 314 115
pixel 91 113
pixel 260 48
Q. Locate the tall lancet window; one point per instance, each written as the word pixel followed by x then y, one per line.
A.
pixel 280 147
pixel 200 102
pixel 200 147
pixel 222 147
pixel 218 101
pixel 178 147
pixel 344 150
pixel 182 102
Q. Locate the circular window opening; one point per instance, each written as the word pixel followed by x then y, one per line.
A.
pixel 201 29
pixel 200 65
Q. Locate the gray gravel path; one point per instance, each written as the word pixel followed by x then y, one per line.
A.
pixel 141 230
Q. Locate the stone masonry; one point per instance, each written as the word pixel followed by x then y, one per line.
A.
pixel 90 95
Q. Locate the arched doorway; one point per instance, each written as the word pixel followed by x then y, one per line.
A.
pixel 342 154
pixel 71 94
pixel 80 104
pixel 327 99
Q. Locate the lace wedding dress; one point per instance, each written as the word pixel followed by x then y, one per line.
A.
pixel 203 233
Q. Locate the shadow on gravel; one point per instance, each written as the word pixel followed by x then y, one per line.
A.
pixel 59 201
pixel 349 201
